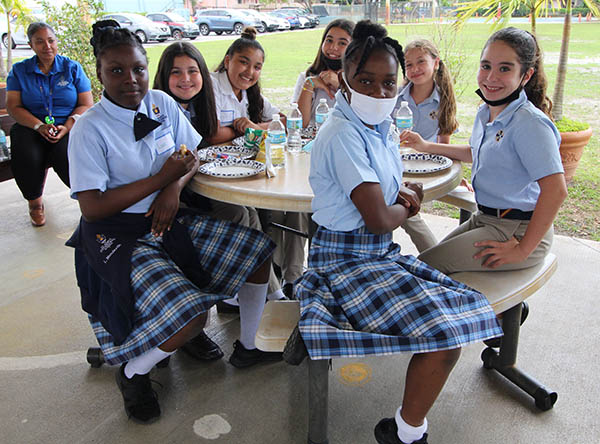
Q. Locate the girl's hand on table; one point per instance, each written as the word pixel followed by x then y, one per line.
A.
pixel 500 253
pixel 163 210
pixel 412 140
pixel 465 183
pixel 240 124
pixel 177 166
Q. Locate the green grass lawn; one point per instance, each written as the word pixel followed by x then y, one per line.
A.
pixel 289 53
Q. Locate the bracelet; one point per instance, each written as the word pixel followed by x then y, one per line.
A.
pixel 311 82
pixel 37 126
pixel 75 116
pixel 308 89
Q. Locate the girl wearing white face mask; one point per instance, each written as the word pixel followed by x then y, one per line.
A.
pixel 361 296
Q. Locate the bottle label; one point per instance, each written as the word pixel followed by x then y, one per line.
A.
pixel 294 123
pixel 320 118
pixel 278 137
pixel 404 123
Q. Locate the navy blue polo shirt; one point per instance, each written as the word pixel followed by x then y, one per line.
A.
pixel 66 79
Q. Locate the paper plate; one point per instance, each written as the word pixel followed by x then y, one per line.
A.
pixel 232 168
pixel 422 163
pixel 238 141
pixel 224 152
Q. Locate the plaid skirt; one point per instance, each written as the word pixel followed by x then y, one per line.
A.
pixel 360 296
pixel 165 300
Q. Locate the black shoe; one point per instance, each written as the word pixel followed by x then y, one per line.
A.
pixel 224 307
pixel 288 290
pixel 242 357
pixel 202 348
pixel 141 401
pixel 295 349
pixel 386 432
pixel 497 342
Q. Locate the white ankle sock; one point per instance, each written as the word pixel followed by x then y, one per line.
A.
pixel 406 432
pixel 252 303
pixel 141 365
pixel 276 295
pixel 232 301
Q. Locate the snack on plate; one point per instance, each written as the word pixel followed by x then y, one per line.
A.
pixel 183 150
pixel 253 138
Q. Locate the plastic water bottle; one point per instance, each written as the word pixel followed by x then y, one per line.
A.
pixel 276 140
pixel 4 153
pixel 403 117
pixel 321 113
pixel 404 121
pixel 294 127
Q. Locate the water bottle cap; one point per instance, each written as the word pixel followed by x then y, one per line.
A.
pixel 322 100
pixel 294 105
pixel 403 103
pixel 276 116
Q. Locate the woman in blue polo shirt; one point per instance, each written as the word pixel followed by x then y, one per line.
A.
pixel 45 95
pixel 165 267
pixel 517 172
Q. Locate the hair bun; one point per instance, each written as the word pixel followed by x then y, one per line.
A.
pixel 366 28
pixel 249 33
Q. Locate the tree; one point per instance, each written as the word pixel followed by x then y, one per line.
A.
pixel 73 27
pixel 12 9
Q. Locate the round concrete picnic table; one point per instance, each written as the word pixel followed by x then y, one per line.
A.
pixel 290 190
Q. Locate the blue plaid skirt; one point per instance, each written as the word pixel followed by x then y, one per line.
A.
pixel 360 296
pixel 165 300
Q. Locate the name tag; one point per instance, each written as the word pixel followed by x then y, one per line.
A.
pixel 226 117
pixel 164 143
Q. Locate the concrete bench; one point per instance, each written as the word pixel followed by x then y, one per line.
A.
pixel 505 290
pixel 462 198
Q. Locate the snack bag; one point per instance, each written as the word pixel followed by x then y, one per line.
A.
pixel 253 138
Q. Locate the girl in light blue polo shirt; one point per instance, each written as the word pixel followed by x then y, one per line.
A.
pixel 161 269
pixel 360 295
pixel 517 172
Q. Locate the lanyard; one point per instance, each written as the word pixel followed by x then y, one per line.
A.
pixel 47 98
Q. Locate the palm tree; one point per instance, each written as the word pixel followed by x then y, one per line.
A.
pixel 12 8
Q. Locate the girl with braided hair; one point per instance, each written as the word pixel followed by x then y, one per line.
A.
pixel 517 172
pixel 149 271
pixel 360 295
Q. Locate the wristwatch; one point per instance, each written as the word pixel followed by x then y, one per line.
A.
pixel 75 116
pixel 37 126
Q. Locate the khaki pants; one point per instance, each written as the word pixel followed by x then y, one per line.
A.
pixel 419 233
pixel 289 254
pixel 455 252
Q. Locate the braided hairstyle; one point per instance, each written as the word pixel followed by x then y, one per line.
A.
pixel 525 45
pixel 367 38
pixel 447 122
pixel 205 121
pixel 255 100
pixel 107 34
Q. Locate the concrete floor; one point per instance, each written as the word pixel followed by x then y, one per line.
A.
pixel 48 393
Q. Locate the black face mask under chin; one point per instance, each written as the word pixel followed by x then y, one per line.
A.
pixel 333 64
pixel 184 101
pixel 509 98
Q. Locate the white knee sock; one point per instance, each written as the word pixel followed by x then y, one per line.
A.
pixel 141 365
pixel 406 432
pixel 252 303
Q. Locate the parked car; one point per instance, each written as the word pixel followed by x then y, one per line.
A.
pixel 291 18
pixel 284 25
pixel 17 32
pixel 314 19
pixel 179 26
pixel 141 26
pixel 269 23
pixel 224 20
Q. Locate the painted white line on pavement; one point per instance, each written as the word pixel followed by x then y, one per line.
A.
pixel 42 362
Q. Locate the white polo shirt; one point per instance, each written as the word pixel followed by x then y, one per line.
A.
pixel 103 152
pixel 229 107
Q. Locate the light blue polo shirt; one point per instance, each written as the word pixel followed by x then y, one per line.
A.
pixel 511 154
pixel 66 79
pixel 425 118
pixel 103 153
pixel 345 154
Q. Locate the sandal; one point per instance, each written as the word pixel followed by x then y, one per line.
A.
pixel 36 213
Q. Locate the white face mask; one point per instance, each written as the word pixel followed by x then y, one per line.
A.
pixel 370 110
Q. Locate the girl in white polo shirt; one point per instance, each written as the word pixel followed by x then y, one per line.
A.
pixel 517 172
pixel 239 102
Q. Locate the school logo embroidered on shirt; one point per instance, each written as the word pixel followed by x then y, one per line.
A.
pixel 433 115
pixel 499 135
pixel 62 81
pixel 100 238
pixel 159 116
